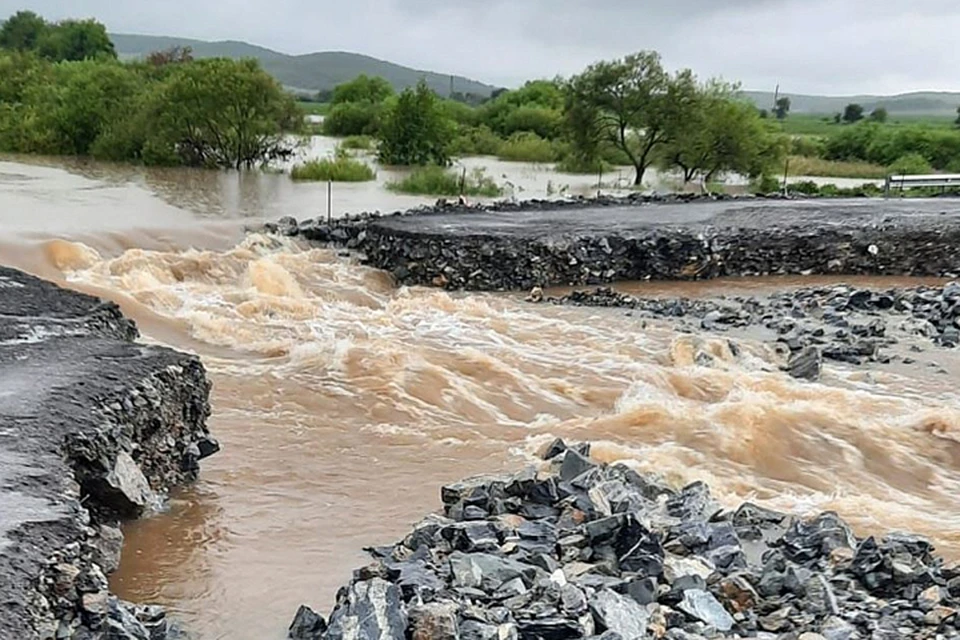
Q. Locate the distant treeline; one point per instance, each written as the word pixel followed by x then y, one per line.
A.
pixel 63 92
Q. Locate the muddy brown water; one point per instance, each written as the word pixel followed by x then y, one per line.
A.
pixel 343 402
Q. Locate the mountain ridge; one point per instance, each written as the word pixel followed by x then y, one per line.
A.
pixel 323 70
pixel 310 72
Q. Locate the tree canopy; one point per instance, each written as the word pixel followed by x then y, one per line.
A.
pixel 66 40
pixel 415 130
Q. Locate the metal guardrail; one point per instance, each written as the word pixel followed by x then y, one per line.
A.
pixel 902 182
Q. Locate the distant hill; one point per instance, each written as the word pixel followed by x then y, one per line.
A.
pixel 926 103
pixel 308 73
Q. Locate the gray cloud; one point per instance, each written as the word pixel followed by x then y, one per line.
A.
pixel 808 46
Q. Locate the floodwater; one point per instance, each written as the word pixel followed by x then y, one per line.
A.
pixel 343 402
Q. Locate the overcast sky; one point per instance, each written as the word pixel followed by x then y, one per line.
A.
pixel 835 47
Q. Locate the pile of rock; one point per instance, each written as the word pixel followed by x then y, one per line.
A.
pixel 97 429
pixel 485 248
pixel 840 323
pixel 588 550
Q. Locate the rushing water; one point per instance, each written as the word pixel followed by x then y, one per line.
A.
pixel 343 402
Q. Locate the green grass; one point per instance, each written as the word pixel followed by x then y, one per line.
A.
pixel 818 167
pixel 338 169
pixel 527 147
pixel 809 124
pixel 437 181
pixel 315 108
pixel 362 143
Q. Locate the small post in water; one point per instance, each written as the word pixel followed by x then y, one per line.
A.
pixel 599 179
pixel 329 201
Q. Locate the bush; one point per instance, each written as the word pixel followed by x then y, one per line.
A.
pixel 437 181
pixel 805 187
pixel 476 141
pixel 341 168
pixel 806 146
pixel 362 143
pixel 527 147
pixel 767 184
pixel 415 130
pixel 353 119
pixel 912 163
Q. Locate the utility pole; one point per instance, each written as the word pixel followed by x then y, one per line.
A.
pixel 776 96
pixel 451 87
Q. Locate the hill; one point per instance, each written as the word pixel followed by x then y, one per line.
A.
pixel 926 103
pixel 310 72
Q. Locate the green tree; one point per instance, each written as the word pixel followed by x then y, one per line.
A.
pixel 363 88
pixel 720 134
pixel 22 31
pixel 415 130
pixel 219 113
pixel 853 112
pixel 76 40
pixel 631 104
pixel 879 115
pixel 957 121
pixel 782 108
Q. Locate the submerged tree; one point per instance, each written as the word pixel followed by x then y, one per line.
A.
pixel 415 130
pixel 219 113
pixel 720 134
pixel 629 103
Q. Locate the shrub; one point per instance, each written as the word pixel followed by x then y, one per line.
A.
pixel 911 163
pixel 476 141
pixel 527 147
pixel 767 184
pixel 353 119
pixel 805 187
pixel 340 168
pixel 806 146
pixel 437 181
pixel 804 166
pixel 363 143
pixel 415 130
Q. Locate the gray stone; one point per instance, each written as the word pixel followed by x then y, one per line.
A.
pixel 306 625
pixel 836 628
pixel 624 616
pixel 574 464
pixel 127 489
pixel 475 630
pixel 369 610
pixel 701 605
pixel 806 364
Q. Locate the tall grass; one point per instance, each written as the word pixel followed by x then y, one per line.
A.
pixel 806 166
pixel 527 147
pixel 437 181
pixel 340 168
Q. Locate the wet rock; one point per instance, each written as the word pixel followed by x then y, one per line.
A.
pixel 369 610
pixel 574 464
pixel 619 614
pixel 702 605
pixel 806 364
pixel 434 621
pixel 810 539
pixel 306 625
pixel 835 628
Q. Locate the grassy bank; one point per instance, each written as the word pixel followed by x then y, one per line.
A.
pixel 807 166
pixel 315 108
pixel 360 143
pixel 437 181
pixel 339 169
pixel 824 125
